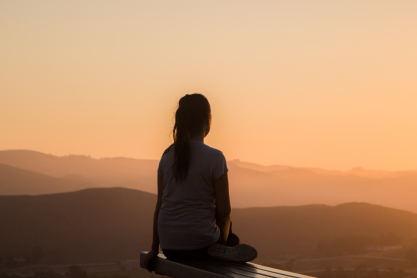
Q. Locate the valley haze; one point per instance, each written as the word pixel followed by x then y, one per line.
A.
pixel 251 185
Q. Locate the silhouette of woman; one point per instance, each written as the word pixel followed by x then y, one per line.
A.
pixel 192 214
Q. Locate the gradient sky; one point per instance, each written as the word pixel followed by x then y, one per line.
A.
pixel 329 84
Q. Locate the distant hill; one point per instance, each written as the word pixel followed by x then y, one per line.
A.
pixel 257 167
pixel 301 186
pixel 251 185
pixel 15 181
pixel 110 224
pixel 106 172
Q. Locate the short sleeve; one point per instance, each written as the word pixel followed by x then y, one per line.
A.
pixel 160 167
pixel 218 165
pixel 161 162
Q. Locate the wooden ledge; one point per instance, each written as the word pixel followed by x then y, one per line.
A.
pixel 215 269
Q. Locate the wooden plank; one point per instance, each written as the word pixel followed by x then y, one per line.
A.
pixel 179 270
pixel 216 269
pixel 277 271
pixel 255 268
pixel 238 271
pixel 210 268
pixel 249 270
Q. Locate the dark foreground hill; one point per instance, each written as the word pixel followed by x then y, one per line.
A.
pixel 92 225
pixel 111 224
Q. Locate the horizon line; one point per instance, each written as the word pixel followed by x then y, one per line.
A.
pixel 229 160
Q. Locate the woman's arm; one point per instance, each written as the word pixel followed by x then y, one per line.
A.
pixel 221 186
pixel 155 239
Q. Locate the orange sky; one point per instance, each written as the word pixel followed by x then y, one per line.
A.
pixel 328 84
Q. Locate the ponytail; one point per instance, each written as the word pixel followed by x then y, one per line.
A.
pixel 192 113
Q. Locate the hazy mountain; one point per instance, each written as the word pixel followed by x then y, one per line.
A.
pixel 300 186
pixel 105 172
pixel 251 185
pixel 257 167
pixel 106 225
pixel 359 171
pixel 15 181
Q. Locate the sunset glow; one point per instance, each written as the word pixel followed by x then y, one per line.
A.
pixel 328 84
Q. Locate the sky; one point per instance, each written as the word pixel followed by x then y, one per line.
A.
pixel 329 84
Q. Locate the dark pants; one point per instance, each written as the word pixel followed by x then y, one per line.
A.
pixel 226 238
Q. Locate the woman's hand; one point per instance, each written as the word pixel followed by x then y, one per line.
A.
pixel 149 259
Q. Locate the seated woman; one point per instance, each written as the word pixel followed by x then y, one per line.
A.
pixel 192 214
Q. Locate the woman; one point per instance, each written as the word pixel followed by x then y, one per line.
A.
pixel 192 214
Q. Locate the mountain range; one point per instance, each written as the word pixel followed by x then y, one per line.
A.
pixel 251 185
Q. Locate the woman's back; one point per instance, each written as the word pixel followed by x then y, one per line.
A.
pixel 192 212
pixel 187 218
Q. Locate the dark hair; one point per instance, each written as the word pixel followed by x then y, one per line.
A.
pixel 192 114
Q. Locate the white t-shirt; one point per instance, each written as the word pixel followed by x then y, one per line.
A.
pixel 187 219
